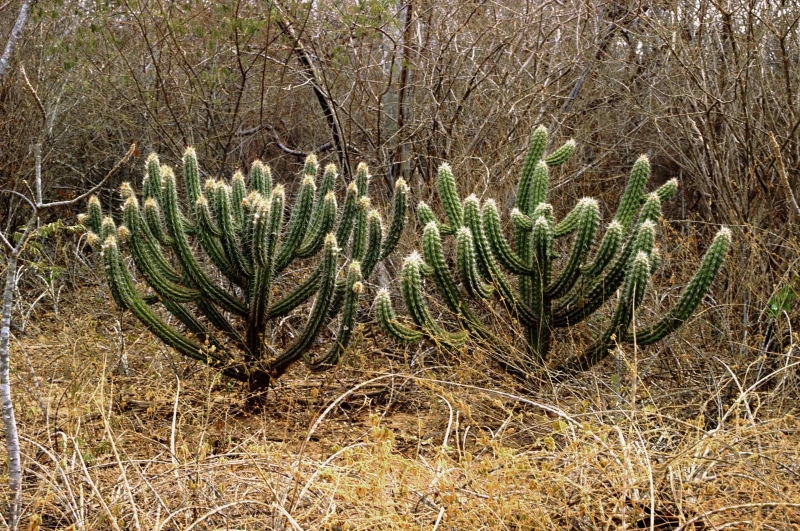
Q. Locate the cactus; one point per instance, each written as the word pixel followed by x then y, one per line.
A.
pixel 226 305
pixel 543 301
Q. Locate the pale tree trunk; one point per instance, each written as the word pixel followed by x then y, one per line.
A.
pixel 13 253
pixel 16 31
pixel 9 420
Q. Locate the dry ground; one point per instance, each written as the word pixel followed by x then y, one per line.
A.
pixel 392 440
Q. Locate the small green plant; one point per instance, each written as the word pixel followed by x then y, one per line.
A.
pixel 781 301
pixel 541 301
pixel 229 301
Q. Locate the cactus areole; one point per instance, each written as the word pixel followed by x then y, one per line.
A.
pixel 608 264
pixel 222 267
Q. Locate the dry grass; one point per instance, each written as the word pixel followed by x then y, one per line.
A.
pixel 697 433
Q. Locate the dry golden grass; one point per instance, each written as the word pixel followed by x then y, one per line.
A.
pixel 696 433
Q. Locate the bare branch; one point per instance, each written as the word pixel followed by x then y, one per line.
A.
pixel 16 31
pixel 33 92
pixel 22 196
pixel 6 243
pixel 782 173
pixel 96 187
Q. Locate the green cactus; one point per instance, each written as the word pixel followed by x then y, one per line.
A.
pixel 226 306
pixel 544 300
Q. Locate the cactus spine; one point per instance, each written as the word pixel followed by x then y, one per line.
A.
pixel 543 300
pixel 226 312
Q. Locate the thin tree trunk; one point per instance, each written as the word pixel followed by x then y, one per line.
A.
pixel 16 31
pixel 325 102
pixel 400 165
pixel 9 420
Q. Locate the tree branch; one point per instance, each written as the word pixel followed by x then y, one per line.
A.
pixel 96 187
pixel 782 173
pixel 16 31
pixel 325 102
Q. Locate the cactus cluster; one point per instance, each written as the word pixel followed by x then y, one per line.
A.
pixel 227 302
pixel 541 300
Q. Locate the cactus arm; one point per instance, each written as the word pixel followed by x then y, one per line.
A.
pixel 250 206
pixel 220 322
pixel 353 289
pixel 149 245
pixel 95 215
pixel 238 193
pixel 191 175
pixel 655 260
pixel 473 221
pixel 605 252
pixel 432 251
pixel 326 220
pixel 209 237
pixel 362 179
pixel 542 249
pixel 345 227
pixel 449 195
pixel 588 220
pixel 398 218
pixel 311 166
pixel 267 220
pixel 152 215
pixel 327 185
pixel 539 188
pixel 633 194
pixel 194 326
pixel 570 223
pixel 319 312
pixel 536 147
pixel 338 298
pixel 573 310
pixel 692 294
pixel 521 221
pixel 267 228
pixel 304 291
pixel 499 245
pixel 388 322
pixel 426 215
pixel 144 260
pixel 226 220
pixel 204 220
pixel 490 269
pixel 152 185
pixel 467 265
pixel 184 253
pixel 411 283
pixel 632 294
pixel 298 223
pixel 667 191
pixel 651 209
pixel 131 300
pixel 107 228
pixel 539 185
pixel 261 179
pixel 359 243
pixel 561 155
pixel 374 239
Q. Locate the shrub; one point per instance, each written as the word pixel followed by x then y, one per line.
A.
pixel 541 301
pixel 228 303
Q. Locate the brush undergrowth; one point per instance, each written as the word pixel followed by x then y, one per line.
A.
pixel 700 434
